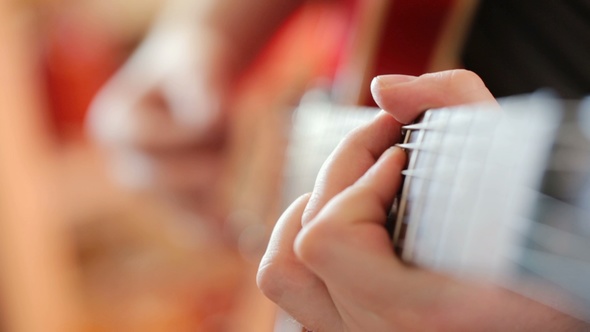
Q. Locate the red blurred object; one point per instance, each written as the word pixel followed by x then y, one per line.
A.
pixel 410 35
pixel 78 58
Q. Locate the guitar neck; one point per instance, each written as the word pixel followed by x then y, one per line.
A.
pixel 500 196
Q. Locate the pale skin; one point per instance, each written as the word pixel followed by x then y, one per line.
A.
pixel 330 263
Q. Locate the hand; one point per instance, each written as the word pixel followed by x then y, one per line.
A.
pixel 330 262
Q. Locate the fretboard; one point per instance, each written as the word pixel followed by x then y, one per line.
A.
pixel 501 196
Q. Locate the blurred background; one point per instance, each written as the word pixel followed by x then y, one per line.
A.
pixel 87 244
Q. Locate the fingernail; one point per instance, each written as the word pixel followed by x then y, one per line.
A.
pixel 390 150
pixel 393 152
pixel 385 81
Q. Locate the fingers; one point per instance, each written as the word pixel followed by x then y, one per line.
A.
pixel 330 261
pixel 349 230
pixel 282 277
pixel 351 159
pixel 406 97
pixel 287 282
pixel 347 247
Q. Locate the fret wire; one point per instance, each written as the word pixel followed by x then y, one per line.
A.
pixel 400 224
pixel 440 180
pixel 506 167
pixel 446 220
pixel 510 180
pixel 470 141
pixel 404 218
pixel 503 198
pixel 410 172
pixel 477 195
pixel 415 223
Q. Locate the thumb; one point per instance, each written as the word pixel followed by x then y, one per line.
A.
pixel 406 97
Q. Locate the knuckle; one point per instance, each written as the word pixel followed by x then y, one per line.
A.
pixel 269 280
pixel 456 77
pixel 465 77
pixel 310 246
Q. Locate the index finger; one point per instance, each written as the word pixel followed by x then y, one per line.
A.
pixel 351 159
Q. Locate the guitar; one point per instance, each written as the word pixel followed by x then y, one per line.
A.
pixel 499 196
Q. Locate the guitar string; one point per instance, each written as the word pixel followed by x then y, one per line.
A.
pixel 547 237
pixel 445 176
